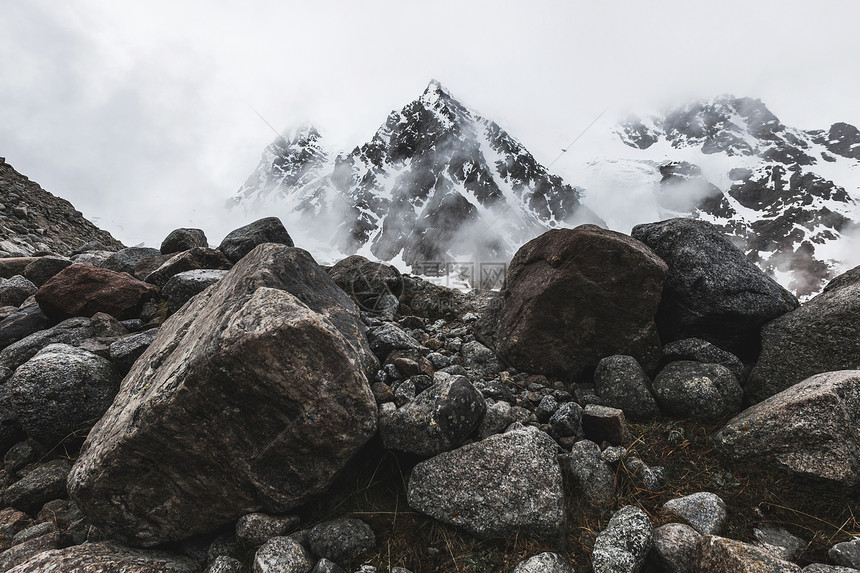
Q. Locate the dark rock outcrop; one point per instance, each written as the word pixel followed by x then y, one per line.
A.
pixel 182 240
pixel 573 297
pixel 106 557
pixel 251 397
pixel 687 389
pixel 712 291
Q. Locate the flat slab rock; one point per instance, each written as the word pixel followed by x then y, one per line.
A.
pixel 252 397
pixel 719 554
pixel 105 558
pixel 479 487
pixel 808 429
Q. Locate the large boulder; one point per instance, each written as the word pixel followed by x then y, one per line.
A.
pixel 42 269
pixel 242 241
pixel 823 335
pixel 623 546
pixel 61 392
pixel 479 487
pixel 251 397
pixel 809 429
pixel 574 296
pixel 713 291
pixel 367 283
pixel 181 287
pixel 622 383
pixel 105 557
pixel 21 324
pixel 182 240
pixel 83 290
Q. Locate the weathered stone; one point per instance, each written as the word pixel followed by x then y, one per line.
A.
pixel 125 260
pixel 252 397
pixel 479 361
pixel 718 555
pixel 14 291
pixel 479 487
pixel 422 298
pixel 61 392
pixel 604 424
pixel 282 555
pixel 195 259
pixel 548 406
pixel 326 566
pixel 82 290
pixel 11 522
pixel 257 528
pixel 103 557
pixel 388 337
pixel 367 283
pixel 72 331
pixel 566 420
pixel 21 324
pixel 621 383
pixel 823 335
pixel 674 548
pixel 496 420
pixel 182 240
pixel 808 429
pixel 16 556
pixel 342 540
pixel 624 544
pixel 574 296
pixel 700 350
pixel 703 511
pixel 589 472
pixel 686 389
pixel 436 420
pixel 242 241
pixel 149 265
pixel 34 532
pixel 43 483
pixel 822 568
pixel 846 554
pixel 713 291
pixel 779 541
pixel 11 266
pixel 545 562
pixel 10 429
pixel 125 350
pixel 183 286
pixel 43 268
pixel 225 564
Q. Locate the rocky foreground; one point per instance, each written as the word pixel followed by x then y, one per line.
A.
pixel 244 409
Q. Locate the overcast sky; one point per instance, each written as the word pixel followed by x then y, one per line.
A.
pixel 142 114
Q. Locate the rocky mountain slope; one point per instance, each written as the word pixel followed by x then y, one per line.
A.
pixel 437 182
pixel 788 196
pixel 35 221
pixel 640 403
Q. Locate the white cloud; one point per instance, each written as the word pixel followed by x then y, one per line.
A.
pixel 140 112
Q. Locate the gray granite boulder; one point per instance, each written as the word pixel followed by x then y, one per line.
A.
pixel 703 511
pixel 674 549
pixel 282 555
pixel 546 562
pixel 808 429
pixel 623 545
pixel 242 241
pixel 341 540
pixel 15 290
pixel 686 389
pixel 622 383
pixel 181 287
pixel 479 487
pixel 846 554
pixel 720 555
pixel 60 393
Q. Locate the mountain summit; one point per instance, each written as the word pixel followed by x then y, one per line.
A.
pixel 787 196
pixel 436 182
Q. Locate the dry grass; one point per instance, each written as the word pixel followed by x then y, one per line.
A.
pixel 374 489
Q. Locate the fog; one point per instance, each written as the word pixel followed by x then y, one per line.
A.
pixel 143 114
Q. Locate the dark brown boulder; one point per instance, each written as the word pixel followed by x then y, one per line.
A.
pixel 251 397
pixel 82 290
pixel 574 296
